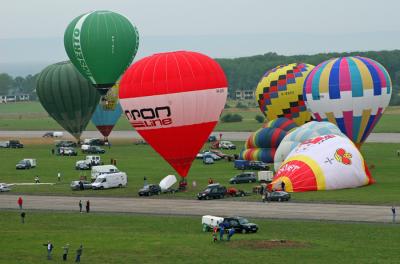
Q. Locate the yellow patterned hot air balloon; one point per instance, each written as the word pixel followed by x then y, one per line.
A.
pixel 280 92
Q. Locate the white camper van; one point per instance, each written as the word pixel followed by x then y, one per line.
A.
pixel 103 169
pixel 210 221
pixel 265 176
pixel 112 180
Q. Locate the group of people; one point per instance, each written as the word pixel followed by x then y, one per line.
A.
pixel 49 246
pixel 222 228
pixel 87 206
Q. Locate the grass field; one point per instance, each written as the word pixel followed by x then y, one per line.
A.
pixel 140 160
pixel 32 116
pixel 124 238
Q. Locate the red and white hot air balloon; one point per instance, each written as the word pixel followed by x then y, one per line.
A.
pixel 174 101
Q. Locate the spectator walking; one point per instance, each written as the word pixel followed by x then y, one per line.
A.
pixel 52 151
pixel 283 185
pixel 20 202
pixel 87 206
pixel 221 231
pixel 81 187
pixel 78 254
pixel 393 215
pixel 194 184
pixel 23 217
pixel 59 176
pixel 37 180
pixel 230 233
pixel 65 252
pixel 80 206
pixel 49 246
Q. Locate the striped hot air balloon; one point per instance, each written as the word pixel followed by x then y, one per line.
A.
pixel 174 101
pixel 351 92
pixel 262 144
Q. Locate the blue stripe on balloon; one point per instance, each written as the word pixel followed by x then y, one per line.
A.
pixel 356 127
pixel 340 124
pixel 387 77
pixel 369 124
pixel 334 87
pixel 375 76
pixel 315 82
pixel 356 81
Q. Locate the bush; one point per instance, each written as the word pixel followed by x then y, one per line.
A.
pixel 228 118
pixel 241 105
pixel 227 106
pixel 260 118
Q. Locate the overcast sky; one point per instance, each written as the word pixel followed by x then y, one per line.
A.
pixel 229 28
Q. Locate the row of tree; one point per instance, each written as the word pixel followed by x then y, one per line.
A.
pixel 17 85
pixel 244 73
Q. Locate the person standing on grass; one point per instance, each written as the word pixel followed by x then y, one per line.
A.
pixel 78 254
pixel 23 217
pixel 230 234
pixel 20 202
pixel 59 176
pixel 215 230
pixel 87 206
pixel 49 246
pixel 80 206
pixel 221 231
pixel 393 215
pixel 65 253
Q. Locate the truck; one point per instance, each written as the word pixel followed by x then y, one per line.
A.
pixel 111 180
pixel 26 164
pixel 103 169
pixel 265 176
pixel 11 144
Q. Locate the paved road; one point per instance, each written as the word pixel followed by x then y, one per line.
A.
pixel 334 212
pixel 239 136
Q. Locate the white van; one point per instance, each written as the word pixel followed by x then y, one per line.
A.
pixel 112 180
pixel 103 169
pixel 265 176
pixel 210 221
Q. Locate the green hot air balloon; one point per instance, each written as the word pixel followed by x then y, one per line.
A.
pixel 101 45
pixel 68 97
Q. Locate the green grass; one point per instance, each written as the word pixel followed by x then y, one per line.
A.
pixel 124 238
pixel 140 160
pixel 32 116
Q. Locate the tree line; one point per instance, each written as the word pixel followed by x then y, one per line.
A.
pixel 244 73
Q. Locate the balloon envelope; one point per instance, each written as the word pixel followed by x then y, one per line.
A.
pixel 108 112
pixel 297 136
pixel 68 97
pixel 262 144
pixel 326 162
pixel 101 45
pixel 174 101
pixel 351 92
pixel 280 92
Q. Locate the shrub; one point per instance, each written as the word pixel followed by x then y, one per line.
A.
pixel 241 105
pixel 228 118
pixel 259 118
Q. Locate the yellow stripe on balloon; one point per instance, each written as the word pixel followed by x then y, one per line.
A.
pixel 364 121
pixel 324 77
pixel 331 118
pixel 367 82
pixel 319 174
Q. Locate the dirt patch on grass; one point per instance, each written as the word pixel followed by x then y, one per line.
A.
pixel 267 244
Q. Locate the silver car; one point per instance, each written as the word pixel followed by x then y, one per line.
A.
pixel 75 185
pixel 4 187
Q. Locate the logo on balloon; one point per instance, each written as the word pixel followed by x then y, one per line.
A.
pixel 153 117
pixel 342 156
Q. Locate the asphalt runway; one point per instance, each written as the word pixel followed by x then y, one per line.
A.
pixel 236 136
pixel 273 210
